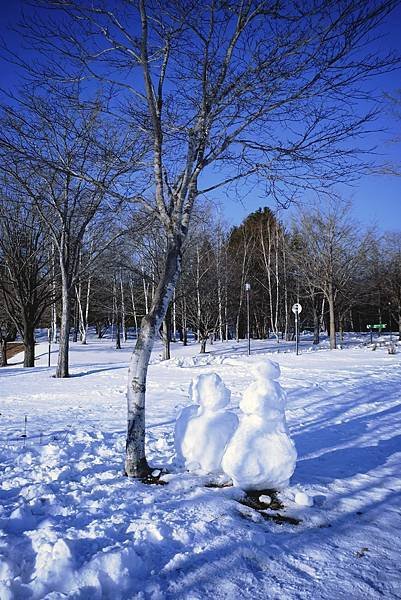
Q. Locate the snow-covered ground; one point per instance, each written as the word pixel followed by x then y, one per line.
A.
pixel 71 525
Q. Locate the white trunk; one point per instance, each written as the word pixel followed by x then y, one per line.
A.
pixel 136 464
pixel 174 318
pixel 85 332
pixel 80 312
pixel 198 298
pixel 219 291
pixel 54 307
pixel 134 306
pixel 145 292
pixel 277 285
pixel 286 308
pixel 64 343
pixel 333 341
pixel 123 308
pixel 322 314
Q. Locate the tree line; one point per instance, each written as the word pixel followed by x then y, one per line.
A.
pixel 344 277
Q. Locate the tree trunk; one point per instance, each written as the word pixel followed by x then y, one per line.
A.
pixel 174 333
pixel 134 307
pixel 203 345
pixel 316 323
pixel 399 326
pixel 118 335
pixel 136 464
pixel 3 352
pixel 184 323
pixel 333 341
pixel 85 331
pixel 166 338
pixel 64 344
pixel 54 307
pixel 124 329
pixel 29 345
pixel 75 333
pixel 341 326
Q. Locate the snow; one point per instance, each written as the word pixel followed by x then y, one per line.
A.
pixel 71 525
pixel 261 454
pixel 204 428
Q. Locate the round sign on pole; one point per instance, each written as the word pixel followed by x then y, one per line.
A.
pixel 296 308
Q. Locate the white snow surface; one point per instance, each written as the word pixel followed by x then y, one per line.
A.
pixel 261 454
pixel 203 429
pixel 72 526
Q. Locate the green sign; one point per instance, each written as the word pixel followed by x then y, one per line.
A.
pixel 378 326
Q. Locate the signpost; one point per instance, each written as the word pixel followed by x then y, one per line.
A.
pixel 378 326
pixel 296 309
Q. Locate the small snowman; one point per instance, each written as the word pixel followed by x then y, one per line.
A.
pixel 203 429
pixel 261 455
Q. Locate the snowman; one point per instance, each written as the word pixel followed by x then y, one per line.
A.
pixel 261 455
pixel 203 429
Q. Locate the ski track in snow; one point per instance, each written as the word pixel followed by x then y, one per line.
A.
pixel 71 525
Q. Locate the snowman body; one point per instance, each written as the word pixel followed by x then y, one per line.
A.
pixel 261 455
pixel 204 428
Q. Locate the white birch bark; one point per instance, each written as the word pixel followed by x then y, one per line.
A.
pixel 131 283
pixel 123 320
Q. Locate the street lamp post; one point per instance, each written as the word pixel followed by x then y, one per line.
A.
pixel 248 289
pixel 297 309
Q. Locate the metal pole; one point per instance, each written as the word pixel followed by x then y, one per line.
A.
pixel 248 321
pixel 296 333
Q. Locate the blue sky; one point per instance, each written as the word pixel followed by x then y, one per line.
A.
pixel 376 199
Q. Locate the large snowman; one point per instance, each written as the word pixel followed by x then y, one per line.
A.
pixel 204 428
pixel 261 455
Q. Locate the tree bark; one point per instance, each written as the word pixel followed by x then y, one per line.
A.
pixel 316 323
pixel 64 343
pixel 135 462
pixel 29 345
pixel 399 326
pixel 203 345
pixel 333 341
pixel 3 352
pixel 118 335
pixel 166 339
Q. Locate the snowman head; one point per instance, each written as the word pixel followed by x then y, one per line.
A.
pixel 209 391
pixel 265 398
pixel 267 370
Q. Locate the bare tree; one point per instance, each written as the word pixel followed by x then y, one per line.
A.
pixel 25 281
pixel 392 277
pixel 328 254
pixel 54 151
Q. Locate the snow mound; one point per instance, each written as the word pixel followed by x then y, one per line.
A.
pixel 204 428
pixel 200 360
pixel 261 455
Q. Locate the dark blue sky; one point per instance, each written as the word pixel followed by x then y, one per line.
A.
pixel 376 198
